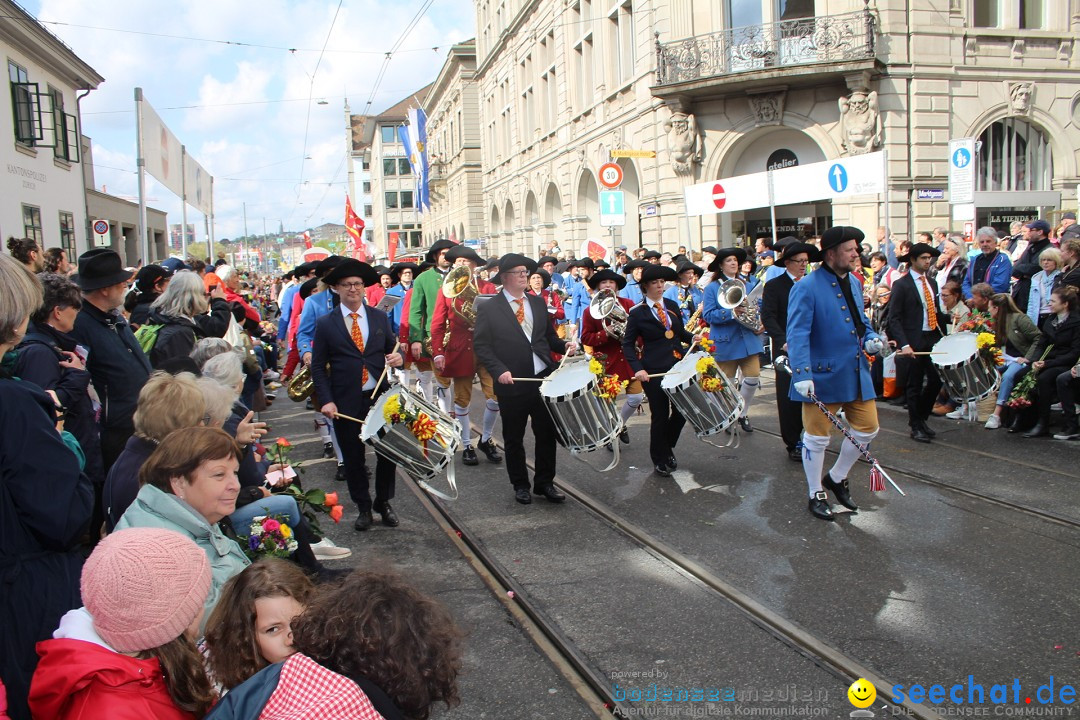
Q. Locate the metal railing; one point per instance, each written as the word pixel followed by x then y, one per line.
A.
pixel 803 41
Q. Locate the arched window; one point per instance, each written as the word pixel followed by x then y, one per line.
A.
pixel 1014 155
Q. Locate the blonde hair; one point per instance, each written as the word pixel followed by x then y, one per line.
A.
pixel 1051 253
pixel 20 297
pixel 167 403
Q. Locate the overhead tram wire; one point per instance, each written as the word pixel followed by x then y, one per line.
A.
pixel 390 54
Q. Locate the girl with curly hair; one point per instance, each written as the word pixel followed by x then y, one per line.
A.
pixel 251 626
pixel 370 647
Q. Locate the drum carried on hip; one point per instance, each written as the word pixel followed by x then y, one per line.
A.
pixel 708 412
pixel 414 434
pixel 965 373
pixel 583 421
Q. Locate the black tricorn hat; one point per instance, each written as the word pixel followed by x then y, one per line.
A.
pixel 352 268
pixel 548 259
pixel 100 268
pixel 634 264
pixel 461 251
pixel 395 270
pixel 600 275
pixel 438 245
pixel 918 249
pixel 687 265
pixel 544 275
pixel 792 249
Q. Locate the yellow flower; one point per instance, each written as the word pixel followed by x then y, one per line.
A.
pixel 983 340
pixel 286 531
pixel 703 364
pixel 710 384
pixel 596 367
pixel 392 408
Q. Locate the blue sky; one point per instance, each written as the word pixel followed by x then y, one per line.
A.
pixel 246 115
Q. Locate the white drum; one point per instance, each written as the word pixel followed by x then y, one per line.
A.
pixel 583 421
pixel 395 442
pixel 965 373
pixel 708 412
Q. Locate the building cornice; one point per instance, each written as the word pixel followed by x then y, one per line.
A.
pixel 21 30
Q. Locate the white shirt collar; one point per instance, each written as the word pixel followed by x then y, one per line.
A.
pixel 345 312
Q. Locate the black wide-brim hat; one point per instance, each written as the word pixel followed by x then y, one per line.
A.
pixel 657 272
pixel 794 248
pixel 548 259
pixel 352 268
pixel 601 275
pixel 687 265
pixel 650 254
pixel 100 268
pixel 509 261
pixel 461 251
pixel 325 265
pixel 724 253
pixel 395 270
pixel 544 275
pixel 916 250
pixel 840 234
pixel 438 245
pixel 633 264
pixel 599 264
pixel 583 262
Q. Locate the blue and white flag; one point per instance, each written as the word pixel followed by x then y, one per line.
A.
pixel 417 148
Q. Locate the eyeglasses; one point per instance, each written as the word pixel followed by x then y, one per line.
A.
pixel 351 286
pixel 804 261
pixel 519 273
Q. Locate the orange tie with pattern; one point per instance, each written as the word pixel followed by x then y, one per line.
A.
pixel 520 312
pixel 931 311
pixel 663 315
pixel 358 339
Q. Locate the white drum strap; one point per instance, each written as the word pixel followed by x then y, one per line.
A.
pixel 615 443
pixel 732 441
pixel 451 480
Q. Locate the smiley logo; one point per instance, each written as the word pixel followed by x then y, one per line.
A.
pixel 862 693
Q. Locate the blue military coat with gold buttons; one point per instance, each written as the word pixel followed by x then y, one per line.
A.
pixel 823 344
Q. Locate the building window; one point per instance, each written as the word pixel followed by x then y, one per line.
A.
pixel 621 37
pixel 406 198
pixel 367 211
pixel 365 164
pixel 389 166
pixel 507 111
pixel 22 103
pixel 367 187
pixel 67 234
pixel 1021 14
pixel 1014 155
pixel 32 224
pixel 403 167
pixel 391 197
pixel 388 134
pixel 744 13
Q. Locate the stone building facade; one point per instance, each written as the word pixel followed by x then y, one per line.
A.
pixel 719 88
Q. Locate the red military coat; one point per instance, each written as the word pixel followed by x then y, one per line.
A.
pixel 594 335
pixel 460 358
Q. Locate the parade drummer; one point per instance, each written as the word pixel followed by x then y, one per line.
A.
pixel 657 323
pixel 737 346
pixel 425 293
pixel 455 361
pixel 686 292
pixel 515 340
pixel 603 345
pixel 828 341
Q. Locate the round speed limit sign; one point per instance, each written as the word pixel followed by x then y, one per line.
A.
pixel 610 175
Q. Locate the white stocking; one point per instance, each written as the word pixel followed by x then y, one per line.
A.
pixel 461 414
pixel 333 437
pixel 633 402
pixel 849 454
pixel 813 460
pixel 747 389
pixel 491 415
pixel 320 425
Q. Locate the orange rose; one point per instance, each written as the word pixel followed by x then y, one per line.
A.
pixel 283 442
pixel 336 512
pixel 331 499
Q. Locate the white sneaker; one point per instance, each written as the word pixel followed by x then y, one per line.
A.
pixel 959 413
pixel 325 549
pixel 270 375
pixel 992 423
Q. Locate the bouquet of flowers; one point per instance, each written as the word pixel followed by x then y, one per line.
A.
pixel 315 502
pixel 608 387
pixel 978 323
pixel 1020 397
pixel 989 349
pixel 705 343
pixel 709 377
pixel 269 536
pixel 419 423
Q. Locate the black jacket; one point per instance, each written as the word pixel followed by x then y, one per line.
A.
pixel 906 312
pixel 179 335
pixel 501 345
pixel 1032 251
pixel 1069 277
pixel 1065 337
pixel 956 275
pixel 251 473
pixel 333 346
pixel 122 484
pixel 658 352
pixel 116 363
pixel 774 302
pixel 39 362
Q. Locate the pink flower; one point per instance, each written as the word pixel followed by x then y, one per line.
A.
pixel 270 525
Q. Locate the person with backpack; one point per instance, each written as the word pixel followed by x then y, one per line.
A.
pixel 179 319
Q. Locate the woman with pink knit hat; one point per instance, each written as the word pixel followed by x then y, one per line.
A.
pixel 130 651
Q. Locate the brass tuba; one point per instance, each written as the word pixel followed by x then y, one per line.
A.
pixel 459 282
pixel 301 386
pixel 605 306
pixel 732 294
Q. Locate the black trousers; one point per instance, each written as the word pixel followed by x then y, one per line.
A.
pixel 665 424
pixel 1067 389
pixel 789 411
pixel 923 381
pixel 356 471
pixel 516 413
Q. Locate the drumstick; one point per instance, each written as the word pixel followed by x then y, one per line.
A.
pixel 652 375
pixel 343 416
pixel 928 353
pixel 379 381
pixel 539 380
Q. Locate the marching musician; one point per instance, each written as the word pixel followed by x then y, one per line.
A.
pixel 657 323
pixel 515 340
pixel 632 290
pixel 455 361
pixel 422 306
pixel 375 293
pixel 595 336
pixel 737 346
pixel 794 258
pixel 686 292
pixel 917 320
pixel 579 299
pixel 402 275
pixel 540 286
pixel 828 340
pixel 357 344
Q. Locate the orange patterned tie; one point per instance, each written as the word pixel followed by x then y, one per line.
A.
pixel 359 340
pixel 663 315
pixel 931 311
pixel 520 312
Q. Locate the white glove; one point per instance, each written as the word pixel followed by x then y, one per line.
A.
pixel 873 346
pixel 805 387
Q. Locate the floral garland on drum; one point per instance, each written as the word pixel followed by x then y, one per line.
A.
pixel 708 372
pixel 608 386
pixel 419 423
pixel 980 324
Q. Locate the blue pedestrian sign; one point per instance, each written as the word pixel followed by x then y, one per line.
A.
pixel 838 178
pixel 961 158
pixel 612 210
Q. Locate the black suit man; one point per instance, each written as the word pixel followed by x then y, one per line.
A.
pixel 658 323
pixel 515 339
pixel 353 344
pixel 774 307
pixel 917 321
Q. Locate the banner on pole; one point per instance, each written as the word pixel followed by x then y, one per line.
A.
pixel 197 186
pixel 161 150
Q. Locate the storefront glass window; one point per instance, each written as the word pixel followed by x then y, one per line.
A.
pixel 1014 155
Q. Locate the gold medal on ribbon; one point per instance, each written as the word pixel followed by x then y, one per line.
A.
pixel 669 334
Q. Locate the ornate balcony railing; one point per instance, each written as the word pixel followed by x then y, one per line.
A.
pixel 803 41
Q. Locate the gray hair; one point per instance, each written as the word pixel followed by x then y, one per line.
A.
pixel 20 297
pixel 940 231
pixel 224 272
pixel 208 348
pixel 185 296
pixel 226 368
pixel 219 400
pixel 987 231
pixel 956 240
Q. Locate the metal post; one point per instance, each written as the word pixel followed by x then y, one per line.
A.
pixel 243 253
pixel 772 207
pixel 885 197
pixel 183 202
pixel 140 164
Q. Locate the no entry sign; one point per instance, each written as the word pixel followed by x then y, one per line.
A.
pixel 719 197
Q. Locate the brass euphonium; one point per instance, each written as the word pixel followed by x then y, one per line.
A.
pixel 732 294
pixel 605 306
pixel 459 282
pixel 301 386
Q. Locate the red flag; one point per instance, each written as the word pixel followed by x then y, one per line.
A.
pixel 307 240
pixel 355 227
pixel 393 245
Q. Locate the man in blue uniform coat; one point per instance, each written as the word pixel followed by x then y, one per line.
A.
pixel 829 339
